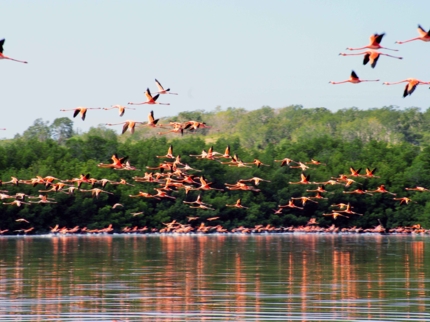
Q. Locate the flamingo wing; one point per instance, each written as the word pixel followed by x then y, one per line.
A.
pixel 375 60
pixel 354 75
pixel 1 45
pixel 125 127
pixel 366 58
pixel 83 114
pixel 159 86
pixel 76 112
pixel 422 32
pixel 378 38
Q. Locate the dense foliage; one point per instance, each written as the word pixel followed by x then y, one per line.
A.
pixel 394 141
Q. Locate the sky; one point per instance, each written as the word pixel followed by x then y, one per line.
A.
pixel 222 53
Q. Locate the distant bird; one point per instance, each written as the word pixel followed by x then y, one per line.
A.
pixel 136 213
pixel 375 40
pixel 6 57
pixel 238 204
pixel 151 121
pixel 404 200
pixel 82 111
pixel 3 129
pixel 161 90
pixel 149 99
pixel 411 85
pixel 121 109
pixel 354 80
pixel 424 36
pixel 371 56
pixel 127 125
pixel 117 205
pixel 23 220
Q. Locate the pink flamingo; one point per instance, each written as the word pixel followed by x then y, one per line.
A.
pixel 354 80
pixel 424 36
pixel 82 111
pixel 375 40
pixel 127 125
pixel 6 57
pixel 161 90
pixel 411 85
pixel 370 55
pixel 150 99
pixel 121 109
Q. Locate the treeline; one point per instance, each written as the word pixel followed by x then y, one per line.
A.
pixel 388 139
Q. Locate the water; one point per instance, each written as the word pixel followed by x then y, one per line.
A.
pixel 289 277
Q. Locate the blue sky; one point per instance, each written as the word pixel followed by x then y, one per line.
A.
pixel 213 53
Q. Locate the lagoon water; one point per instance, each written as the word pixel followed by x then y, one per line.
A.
pixel 267 277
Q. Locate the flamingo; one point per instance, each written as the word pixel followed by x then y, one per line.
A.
pixel 375 40
pixel 354 79
pixel 349 211
pixel 303 179
pixel 22 220
pixel 304 200
pixel 169 154
pixel 238 204
pixel 121 109
pixel 117 163
pixel 149 99
pixel 151 121
pixel 255 179
pixel 417 188
pixel 424 36
pixel 6 57
pixel 96 192
pixel 381 189
pixel 285 161
pixel 3 129
pixel 370 173
pixel 17 203
pixel 290 205
pixel 127 125
pixel 161 90
pixel 411 85
pixel 335 215
pixel 404 200
pixel 81 110
pixel 205 208
pixel 144 195
pixel 198 201
pixel 371 55
pixel 258 163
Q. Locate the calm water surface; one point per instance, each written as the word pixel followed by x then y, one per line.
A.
pixel 289 277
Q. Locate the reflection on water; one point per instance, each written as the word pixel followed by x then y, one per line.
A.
pixel 214 277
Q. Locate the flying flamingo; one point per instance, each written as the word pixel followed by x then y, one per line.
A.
pixel 411 85
pixel 335 215
pixel 151 121
pixel 375 40
pixel 3 129
pixel 149 99
pixel 127 125
pixel 424 36
pixel 370 55
pixel 238 204
pixel 404 200
pixel 82 111
pixel 354 80
pixel 121 109
pixel 205 208
pixel 161 90
pixel 6 57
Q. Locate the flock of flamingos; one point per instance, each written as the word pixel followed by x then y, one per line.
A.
pixel 173 175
